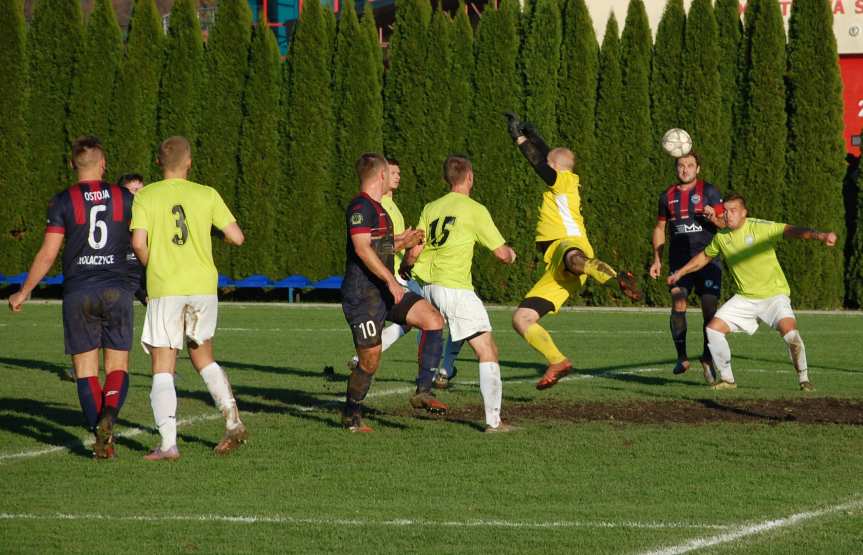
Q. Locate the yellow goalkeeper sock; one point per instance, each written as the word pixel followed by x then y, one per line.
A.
pixel 599 270
pixel 538 338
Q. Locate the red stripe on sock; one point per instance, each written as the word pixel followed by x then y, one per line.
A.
pixel 96 391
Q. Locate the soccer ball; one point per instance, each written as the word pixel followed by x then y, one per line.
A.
pixel 677 142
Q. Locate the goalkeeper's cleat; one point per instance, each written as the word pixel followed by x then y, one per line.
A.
pixel 722 384
pixel 425 400
pixel 354 424
pixel 629 285
pixel 807 386
pixel 681 367
pixel 554 373
pixel 231 440
pixel 103 448
pixel 157 454
pixel 709 371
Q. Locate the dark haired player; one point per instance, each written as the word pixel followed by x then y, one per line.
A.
pixel 371 294
pixel 693 208
pixel 93 217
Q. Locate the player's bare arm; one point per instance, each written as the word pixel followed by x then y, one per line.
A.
pixel 714 218
pixel 697 262
pixel 233 234
pixel 363 246
pixel 40 267
pixel 505 254
pixel 658 241
pixel 408 239
pixel 139 245
pixel 794 232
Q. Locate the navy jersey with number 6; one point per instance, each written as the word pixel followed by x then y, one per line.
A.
pixel 365 215
pixel 690 230
pixel 94 217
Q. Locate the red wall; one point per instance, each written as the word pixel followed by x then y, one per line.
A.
pixel 852 78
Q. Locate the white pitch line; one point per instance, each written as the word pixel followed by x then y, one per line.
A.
pixel 130 432
pixel 398 522
pixel 753 529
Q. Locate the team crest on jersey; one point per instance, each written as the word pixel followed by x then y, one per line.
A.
pixel 356 218
pixel 696 198
pixel 749 239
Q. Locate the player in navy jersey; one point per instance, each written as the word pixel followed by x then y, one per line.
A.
pixel 134 182
pixel 691 209
pixel 93 218
pixel 371 295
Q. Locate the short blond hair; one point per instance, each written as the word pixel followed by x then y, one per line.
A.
pixel 174 151
pixel 87 152
pixel 562 157
pixel 370 164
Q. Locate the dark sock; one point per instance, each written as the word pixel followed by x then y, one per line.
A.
pixel 359 383
pixel 708 310
pixel 678 333
pixel 429 353
pixel 90 397
pixel 116 387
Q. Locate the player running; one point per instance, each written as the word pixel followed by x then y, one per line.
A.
pixel 693 207
pixel 562 239
pixel 171 225
pixel 371 294
pixel 748 247
pixel 93 218
pixel 453 224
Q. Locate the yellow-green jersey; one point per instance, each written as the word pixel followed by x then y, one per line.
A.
pixel 750 255
pixel 177 215
pixel 398 226
pixel 560 211
pixel 453 224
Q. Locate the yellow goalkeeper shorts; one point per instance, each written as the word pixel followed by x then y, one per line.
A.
pixel 557 284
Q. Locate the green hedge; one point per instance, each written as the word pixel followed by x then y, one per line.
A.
pixel 278 137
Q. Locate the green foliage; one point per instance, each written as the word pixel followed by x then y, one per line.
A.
pixel 665 87
pixel 540 61
pixel 310 147
pixel 461 80
pixel 628 242
pixel 577 82
pixel 183 75
pixel 500 172
pixel 758 165
pixel 406 110
pixel 133 121
pixel 816 153
pixel 730 31
pixel 439 99
pixel 54 35
pixel 701 94
pixel 16 218
pixel 95 74
pixel 260 150
pixel 227 66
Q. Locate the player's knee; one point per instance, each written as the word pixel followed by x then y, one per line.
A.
pixel 523 318
pixel 575 259
pixel 793 338
pixel 370 361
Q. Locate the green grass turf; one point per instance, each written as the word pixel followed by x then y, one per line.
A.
pixel 419 485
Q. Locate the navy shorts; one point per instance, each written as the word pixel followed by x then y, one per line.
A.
pixel 366 310
pixel 706 281
pixel 98 319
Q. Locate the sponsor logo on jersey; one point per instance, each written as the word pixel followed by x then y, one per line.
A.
pixel 95 260
pixel 749 239
pixel 96 195
pixel 696 198
pixel 689 228
pixel 356 218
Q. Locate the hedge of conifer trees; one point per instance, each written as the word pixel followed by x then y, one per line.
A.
pixel 277 136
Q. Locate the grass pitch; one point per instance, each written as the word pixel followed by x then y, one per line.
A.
pixel 752 470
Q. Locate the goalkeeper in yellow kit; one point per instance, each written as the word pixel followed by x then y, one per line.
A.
pixel 562 239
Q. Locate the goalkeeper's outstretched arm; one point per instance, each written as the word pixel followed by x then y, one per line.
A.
pixel 533 147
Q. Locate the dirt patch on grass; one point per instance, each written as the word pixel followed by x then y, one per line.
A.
pixel 701 411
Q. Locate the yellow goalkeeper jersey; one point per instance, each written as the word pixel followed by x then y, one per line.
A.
pixel 398 226
pixel 177 215
pixel 560 211
pixel 453 224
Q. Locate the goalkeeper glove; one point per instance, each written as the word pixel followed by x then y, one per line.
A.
pixel 513 125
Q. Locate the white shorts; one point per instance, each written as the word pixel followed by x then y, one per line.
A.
pixel 742 313
pixel 463 310
pixel 172 320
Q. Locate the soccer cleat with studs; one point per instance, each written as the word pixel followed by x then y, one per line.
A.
pixel 554 373
pixel 629 285
pixel 425 400
pixel 681 367
pixel 354 423
pixel 231 440
pixel 807 386
pixel 103 448
pixel 709 371
pixel 157 454
pixel 722 384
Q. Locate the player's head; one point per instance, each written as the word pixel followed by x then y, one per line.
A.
pixel 373 171
pixel 561 159
pixel 88 155
pixel 735 210
pixel 175 154
pixel 458 172
pixel 395 173
pixel 687 167
pixel 134 182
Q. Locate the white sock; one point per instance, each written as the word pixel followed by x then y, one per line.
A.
pixel 220 390
pixel 390 335
pixel 163 399
pixel 491 388
pixel 721 352
pixel 798 354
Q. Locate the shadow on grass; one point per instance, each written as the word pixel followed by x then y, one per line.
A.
pixel 42 422
pixel 785 361
pixel 335 376
pixel 59 370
